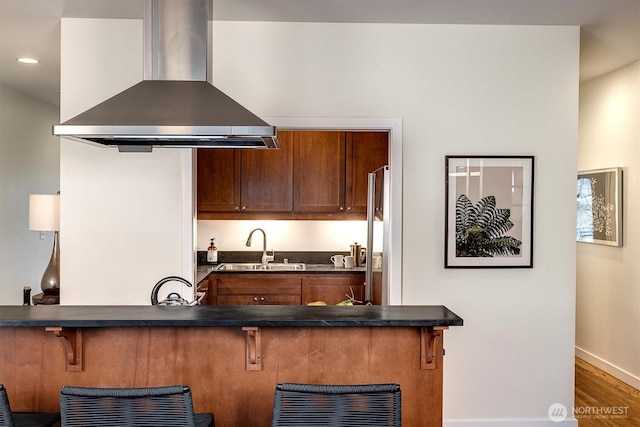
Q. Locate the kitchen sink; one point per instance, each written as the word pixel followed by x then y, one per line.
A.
pixel 272 266
pixel 282 266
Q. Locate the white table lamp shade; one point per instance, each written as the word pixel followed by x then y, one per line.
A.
pixel 44 212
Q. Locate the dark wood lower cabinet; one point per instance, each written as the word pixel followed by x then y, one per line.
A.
pixel 256 289
pixel 333 288
pixel 283 289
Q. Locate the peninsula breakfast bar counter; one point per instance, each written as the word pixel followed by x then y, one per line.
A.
pixel 232 357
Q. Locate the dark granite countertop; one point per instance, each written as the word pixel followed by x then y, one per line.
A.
pixel 203 270
pixel 225 316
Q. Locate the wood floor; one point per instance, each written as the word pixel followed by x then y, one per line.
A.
pixel 602 400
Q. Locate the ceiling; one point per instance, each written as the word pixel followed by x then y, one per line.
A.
pixel 610 29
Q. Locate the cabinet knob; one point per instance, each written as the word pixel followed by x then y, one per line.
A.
pixel 255 298
pixel 244 208
pixel 237 208
pixel 261 298
pixel 349 208
pixel 341 208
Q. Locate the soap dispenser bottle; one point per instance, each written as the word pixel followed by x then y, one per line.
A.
pixel 212 253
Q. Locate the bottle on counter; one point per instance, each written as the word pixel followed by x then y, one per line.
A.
pixel 212 253
pixel 26 295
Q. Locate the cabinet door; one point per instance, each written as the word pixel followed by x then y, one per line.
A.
pixel 319 172
pixel 267 177
pixel 218 180
pixel 332 288
pixel 366 152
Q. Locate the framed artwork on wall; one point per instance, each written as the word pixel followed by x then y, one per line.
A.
pixel 599 210
pixel 489 211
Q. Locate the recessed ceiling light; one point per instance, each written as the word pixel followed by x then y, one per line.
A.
pixel 28 60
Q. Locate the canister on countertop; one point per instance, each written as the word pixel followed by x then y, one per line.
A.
pixel 357 254
pixel 26 295
pixel 212 253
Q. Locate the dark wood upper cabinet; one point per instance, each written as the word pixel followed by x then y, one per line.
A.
pixel 314 175
pixel 366 152
pixel 267 177
pixel 218 180
pixel 319 172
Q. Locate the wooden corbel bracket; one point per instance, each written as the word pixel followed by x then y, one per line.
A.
pixel 253 356
pixel 428 345
pixel 72 345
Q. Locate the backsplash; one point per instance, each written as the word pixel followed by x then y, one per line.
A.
pixel 254 256
pixel 282 236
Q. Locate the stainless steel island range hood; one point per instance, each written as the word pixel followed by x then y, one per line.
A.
pixel 175 105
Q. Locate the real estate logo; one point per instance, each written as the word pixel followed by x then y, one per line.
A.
pixel 557 412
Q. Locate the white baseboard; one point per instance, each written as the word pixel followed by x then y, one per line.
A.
pixel 596 361
pixel 610 369
pixel 510 423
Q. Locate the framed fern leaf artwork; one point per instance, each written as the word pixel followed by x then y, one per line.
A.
pixel 489 211
pixel 599 207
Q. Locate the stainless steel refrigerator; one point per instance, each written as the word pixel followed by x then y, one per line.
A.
pixel 378 238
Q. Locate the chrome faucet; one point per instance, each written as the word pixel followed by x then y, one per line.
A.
pixel 265 258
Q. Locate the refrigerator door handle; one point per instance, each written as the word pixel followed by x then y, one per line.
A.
pixel 371 207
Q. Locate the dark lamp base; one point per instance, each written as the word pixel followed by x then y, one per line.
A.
pixel 43 299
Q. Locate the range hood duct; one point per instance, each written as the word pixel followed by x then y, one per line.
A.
pixel 175 105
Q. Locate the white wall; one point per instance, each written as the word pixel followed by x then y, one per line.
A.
pixel 458 90
pixel 29 164
pixel 123 214
pixel 608 278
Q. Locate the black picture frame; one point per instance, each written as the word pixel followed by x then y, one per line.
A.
pixel 489 211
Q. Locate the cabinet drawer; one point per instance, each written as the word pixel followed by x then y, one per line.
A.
pixel 345 279
pixel 266 299
pixel 257 284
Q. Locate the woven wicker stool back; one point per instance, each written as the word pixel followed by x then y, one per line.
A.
pixel 170 406
pixel 337 405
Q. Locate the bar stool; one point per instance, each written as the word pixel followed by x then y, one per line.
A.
pixel 364 405
pixel 170 406
pixel 23 419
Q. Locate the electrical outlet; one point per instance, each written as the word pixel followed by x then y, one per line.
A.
pixel 42 235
